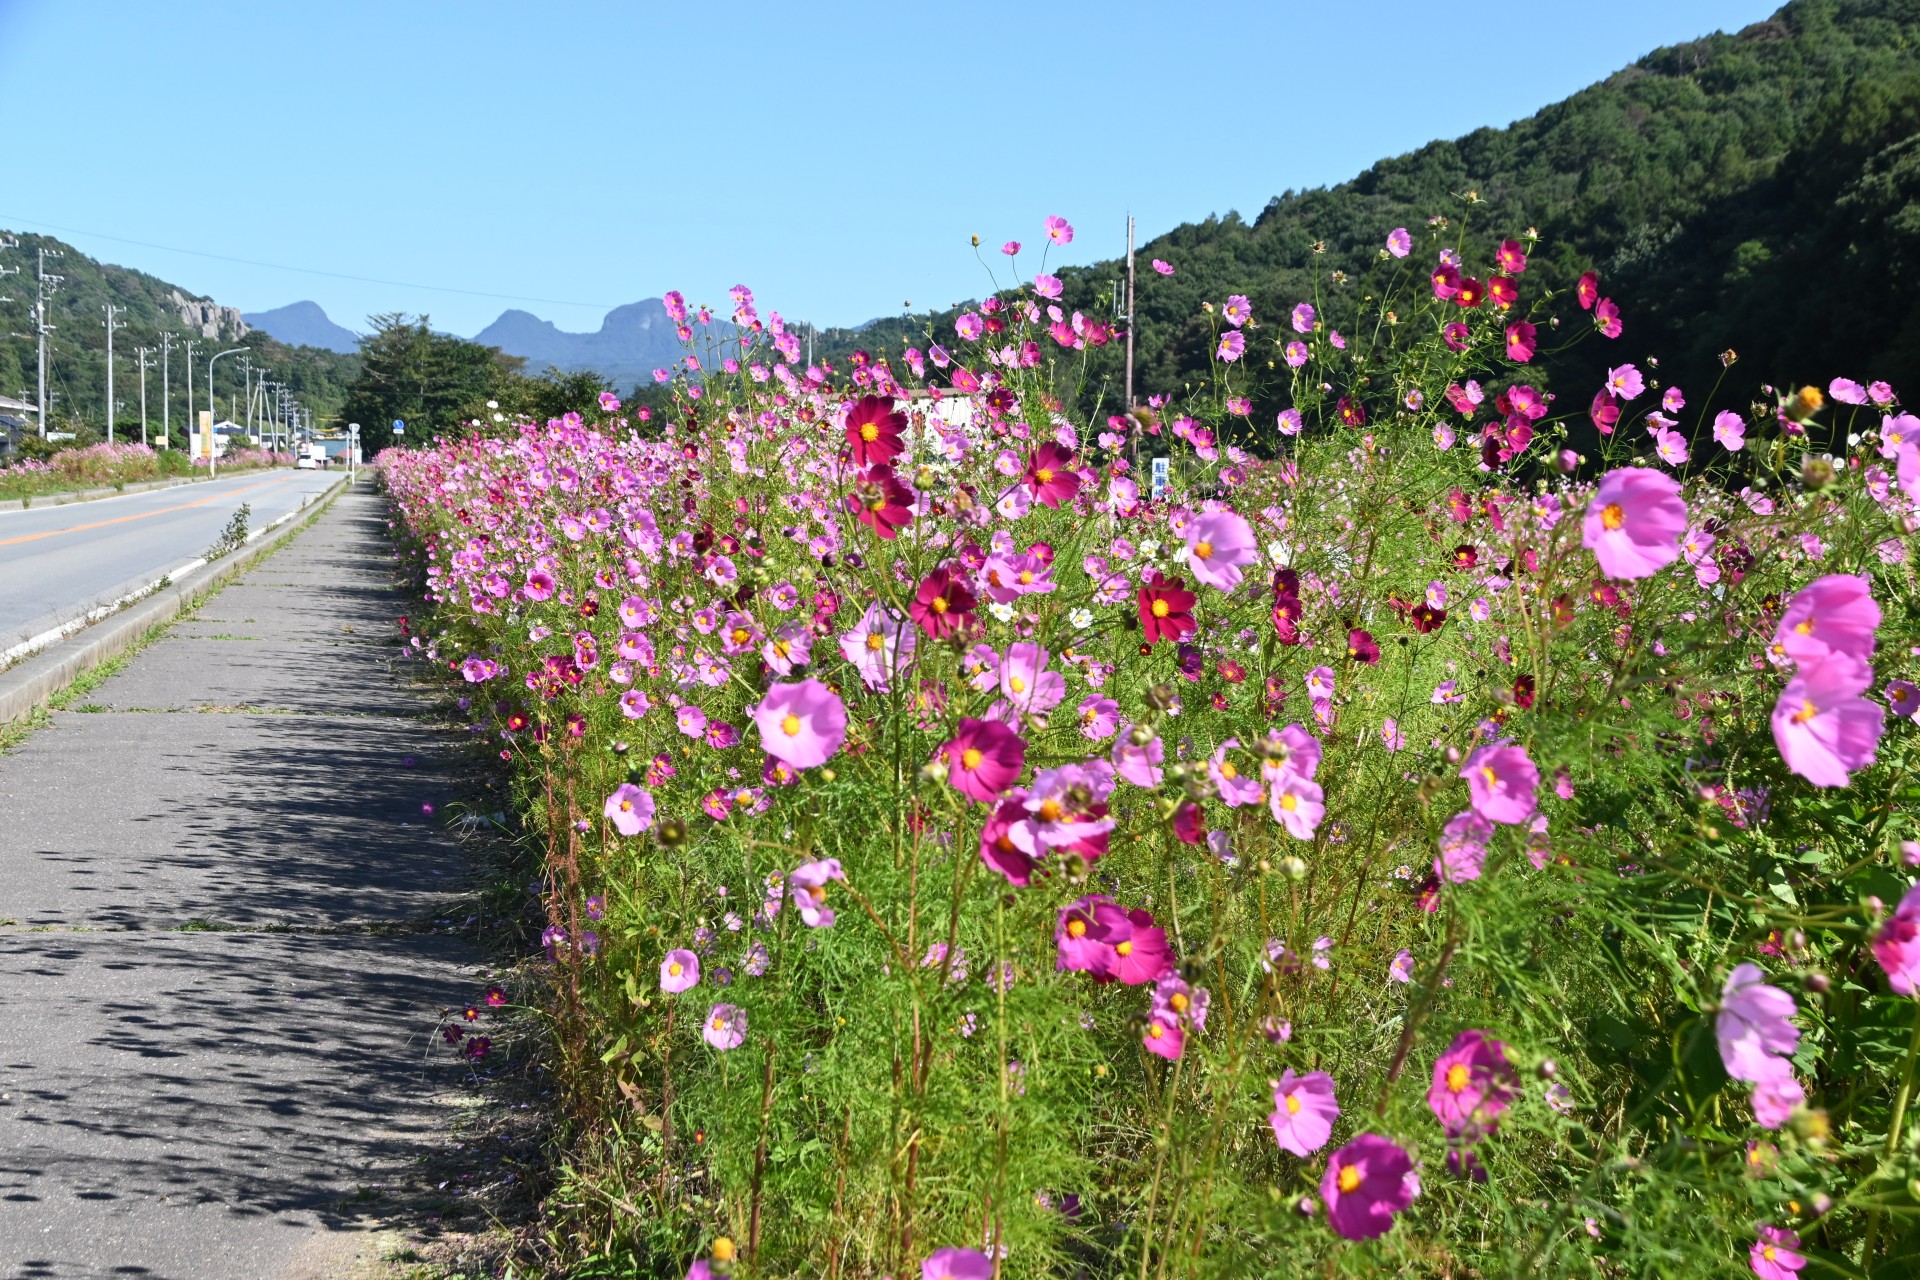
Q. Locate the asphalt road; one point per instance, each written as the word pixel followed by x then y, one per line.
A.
pixel 58 562
pixel 222 960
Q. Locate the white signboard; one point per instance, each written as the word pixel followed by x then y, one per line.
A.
pixel 1162 468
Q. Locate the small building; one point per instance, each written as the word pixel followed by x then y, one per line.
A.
pixel 16 420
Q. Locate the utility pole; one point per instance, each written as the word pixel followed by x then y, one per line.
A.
pixel 144 366
pixel 208 442
pixel 1129 313
pixel 213 407
pixel 44 288
pixel 166 388
pixel 112 324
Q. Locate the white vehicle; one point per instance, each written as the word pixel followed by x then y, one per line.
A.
pixel 313 456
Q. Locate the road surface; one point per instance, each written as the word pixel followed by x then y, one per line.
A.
pixel 56 563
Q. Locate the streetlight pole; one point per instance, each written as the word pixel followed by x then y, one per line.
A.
pixel 111 326
pixel 144 366
pixel 213 406
pixel 190 433
pixel 166 388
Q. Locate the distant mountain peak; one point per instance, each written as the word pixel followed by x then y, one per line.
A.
pixel 633 339
pixel 304 324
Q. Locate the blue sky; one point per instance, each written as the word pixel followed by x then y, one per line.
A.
pixel 571 156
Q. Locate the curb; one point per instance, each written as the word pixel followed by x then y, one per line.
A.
pixel 67 497
pixel 27 687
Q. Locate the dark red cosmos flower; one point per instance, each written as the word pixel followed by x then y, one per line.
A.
pixel 1189 823
pixel 1351 412
pixel 881 501
pixel 1286 619
pixel 1465 556
pixel 944 604
pixel 1503 291
pixel 496 996
pixel 1588 290
pixel 1523 692
pixel 1446 281
pixel 1050 475
pixel 1471 294
pixel 1426 619
pixel 1361 648
pixel 1166 609
pixel 873 430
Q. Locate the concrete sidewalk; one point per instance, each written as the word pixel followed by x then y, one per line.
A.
pixel 219 975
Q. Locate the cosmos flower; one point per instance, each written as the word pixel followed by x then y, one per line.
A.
pixel 725 1027
pixel 1219 545
pixel 943 604
pixel 1399 243
pixel 1502 783
pixel 953 1263
pixel 1050 475
pixel 1463 847
pixel 1233 345
pixel 808 885
pixel 1059 231
pixel 1473 1083
pixel 1831 617
pixel 1896 944
pixel 984 758
pixel 1166 609
pixel 1367 1182
pixel 802 724
pixel 679 971
pixel 1775 1254
pixel 1521 341
pixel 1303 1111
pixel 1754 1027
pixel 1634 522
pixel 1822 725
pixel 630 809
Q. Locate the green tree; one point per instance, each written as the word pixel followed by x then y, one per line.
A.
pixel 434 382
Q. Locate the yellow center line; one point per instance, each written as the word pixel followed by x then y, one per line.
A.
pixel 144 515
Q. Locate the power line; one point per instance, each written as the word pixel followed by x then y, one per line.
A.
pixel 309 271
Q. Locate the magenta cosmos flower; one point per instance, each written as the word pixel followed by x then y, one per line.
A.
pixel 944 603
pixel 680 971
pixel 1775 1254
pixel 1522 341
pixel 1502 783
pixel 1366 1183
pixel 959 1264
pixel 873 430
pixel 1897 944
pixel 1164 1037
pixel 1463 847
pixel 1050 475
pixel 1303 1111
pixel 1219 543
pixel 801 724
pixel 1830 616
pixel 1753 1026
pixel 1166 609
pixel 630 809
pixel 725 1027
pixel 1472 1084
pixel 808 884
pixel 1822 725
pixel 881 502
pixel 1059 230
pixel 1233 345
pixel 1634 522
pixel 983 759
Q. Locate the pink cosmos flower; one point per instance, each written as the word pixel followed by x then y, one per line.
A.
pixel 539 586
pixel 1455 334
pixel 1634 521
pixel 1164 268
pixel 1502 783
pixel 1099 717
pixel 725 1027
pixel 1775 1098
pixel 1399 243
pixel 1753 1026
pixel 1050 475
pixel 1472 1084
pixel 1672 448
pixel 789 649
pixel 1832 616
pixel 1303 316
pixel 1903 696
pixel 1847 391
pixel 1367 1182
pixel 1048 286
pixel 1463 847
pixel 1140 951
pixel 1080 935
pixel 1729 431
pixel 1297 803
pixel 984 758
pixel 997 847
pixel 879 645
pixel 1512 257
pixel 1446 282
pixel 1219 543
pixel 1237 310
pixel 1320 682
pixel 1896 945
pixel 1136 762
pixel 1775 1254
pixel 1606 318
pixel 1236 787
pixel 1059 231
pixel 630 809
pixel 808 884
pixel 1166 609
pixel 1164 1036
pixel 1010 248
pixel 969 326
pixel 801 724
pixel 944 603
pixel 1625 382
pixel 1522 341
pixel 958 1264
pixel 1822 725
pixel 1296 354
pixel 1399 969
pixel 1303 1111
pixel 1233 345
pixel 1025 681
pixel 680 971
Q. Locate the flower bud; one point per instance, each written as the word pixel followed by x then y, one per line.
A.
pixel 1140 735
pixel 672 832
pixel 1816 473
pixel 1293 867
pixel 1818 983
pixel 722 1249
pixel 1567 461
pixel 1306 1206
pixel 934 771
pixel 1160 697
pixel 1547 1069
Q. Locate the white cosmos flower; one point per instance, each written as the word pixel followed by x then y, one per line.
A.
pixel 1081 618
pixel 1002 611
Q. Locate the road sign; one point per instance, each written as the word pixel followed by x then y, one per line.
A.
pixel 1162 468
pixel 398 426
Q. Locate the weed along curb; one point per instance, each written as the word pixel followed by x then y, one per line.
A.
pixel 30 685
pixel 67 497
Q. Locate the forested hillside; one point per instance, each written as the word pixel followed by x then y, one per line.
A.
pixel 1754 190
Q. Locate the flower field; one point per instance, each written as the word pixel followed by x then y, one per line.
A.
pixel 1456 826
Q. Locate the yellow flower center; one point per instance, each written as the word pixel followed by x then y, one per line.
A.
pixel 1293 1105
pixel 1767 1253
pixel 1050 810
pixel 1289 801
pixel 1161 608
pixel 741 635
pixel 938 604
pixel 1178 1002
pixel 1076 928
pixel 626 806
pixel 1349 1180
pixel 1457 1077
pixel 869 431
pixel 1016 684
pixel 1493 779
pixel 1124 949
pixel 790 726
pixel 1806 712
pixel 1156 1030
pixel 878 504
pixel 971 758
pixel 1227 770
pixel 1203 551
pixel 1026 577
pixel 1044 475
pixel 875 641
pixel 1803 628
pixel 674 969
pixel 1611 516
pixel 782 648
pixel 719 1024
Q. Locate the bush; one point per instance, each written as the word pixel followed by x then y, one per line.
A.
pixel 954 850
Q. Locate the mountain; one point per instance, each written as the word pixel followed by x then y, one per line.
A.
pixel 146 308
pixel 304 324
pixel 631 342
pixel 1753 191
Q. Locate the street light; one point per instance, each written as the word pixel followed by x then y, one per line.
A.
pixel 213 409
